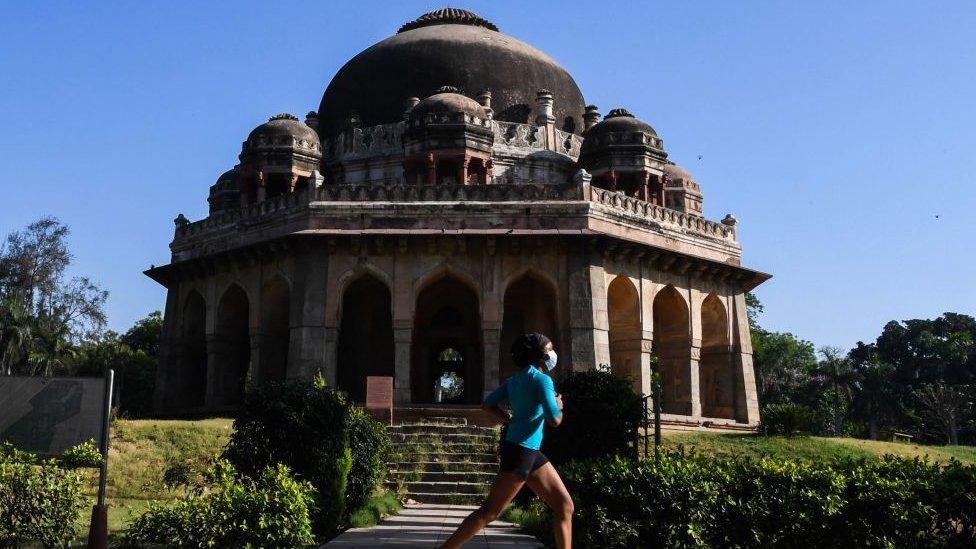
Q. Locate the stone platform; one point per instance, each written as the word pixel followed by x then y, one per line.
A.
pixel 427 526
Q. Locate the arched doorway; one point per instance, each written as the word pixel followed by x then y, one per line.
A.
pixel 623 315
pixel 275 330
pixel 365 336
pixel 447 338
pixel 716 374
pixel 672 346
pixel 529 306
pixel 234 346
pixel 193 356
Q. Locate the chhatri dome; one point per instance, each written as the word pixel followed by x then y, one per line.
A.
pixel 451 192
pixel 449 47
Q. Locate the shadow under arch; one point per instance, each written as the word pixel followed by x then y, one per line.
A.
pixel 192 377
pixel 624 323
pixel 672 346
pixel 366 346
pixel 233 346
pixel 528 305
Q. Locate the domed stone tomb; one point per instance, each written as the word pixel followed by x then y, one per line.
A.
pixel 451 192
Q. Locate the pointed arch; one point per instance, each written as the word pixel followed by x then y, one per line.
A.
pixel 624 323
pixel 716 379
pixel 672 346
pixel 366 345
pixel 447 323
pixel 193 353
pixel 275 329
pixel 233 346
pixel 528 305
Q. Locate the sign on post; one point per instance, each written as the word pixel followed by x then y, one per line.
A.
pixel 379 394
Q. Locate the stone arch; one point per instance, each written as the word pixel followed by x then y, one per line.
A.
pixel 446 318
pixel 623 316
pixel 366 345
pixel 528 305
pixel 716 377
pixel 193 353
pixel 275 329
pixel 334 306
pixel 233 346
pixel 672 346
pixel 442 270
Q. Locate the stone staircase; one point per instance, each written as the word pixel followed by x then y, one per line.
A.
pixel 442 460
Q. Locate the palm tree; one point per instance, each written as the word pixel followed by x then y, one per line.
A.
pixel 15 334
pixel 49 350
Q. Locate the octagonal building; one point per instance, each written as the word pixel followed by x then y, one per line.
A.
pixel 452 191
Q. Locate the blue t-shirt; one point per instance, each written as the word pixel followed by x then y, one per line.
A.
pixel 533 400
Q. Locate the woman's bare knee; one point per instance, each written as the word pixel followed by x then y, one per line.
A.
pixel 564 508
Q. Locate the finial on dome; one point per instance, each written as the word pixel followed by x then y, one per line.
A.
pixel 614 113
pixel 448 16
pixel 591 116
pixel 283 116
pixel 446 89
pixel 312 120
pixel 729 220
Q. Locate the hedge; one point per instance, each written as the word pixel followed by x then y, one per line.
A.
pixel 697 500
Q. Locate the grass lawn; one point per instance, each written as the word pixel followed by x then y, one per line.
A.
pixel 808 448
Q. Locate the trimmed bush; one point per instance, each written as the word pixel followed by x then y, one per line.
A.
pixel 306 426
pixel 370 446
pixel 601 415
pixel 696 500
pixel 786 419
pixel 40 500
pixel 271 510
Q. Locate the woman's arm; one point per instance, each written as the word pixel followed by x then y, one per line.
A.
pixel 496 412
pixel 494 399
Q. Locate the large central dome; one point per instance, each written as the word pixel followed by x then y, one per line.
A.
pixel 449 47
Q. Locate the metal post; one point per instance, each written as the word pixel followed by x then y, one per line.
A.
pixel 98 528
pixel 657 415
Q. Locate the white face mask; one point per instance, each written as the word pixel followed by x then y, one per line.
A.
pixel 550 361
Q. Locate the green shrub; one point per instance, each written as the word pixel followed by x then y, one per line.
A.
pixel 374 510
pixel 601 415
pixel 306 426
pixel 786 419
pixel 40 501
pixel 370 446
pixel 270 510
pixel 696 500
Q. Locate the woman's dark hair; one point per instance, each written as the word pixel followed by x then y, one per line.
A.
pixel 529 349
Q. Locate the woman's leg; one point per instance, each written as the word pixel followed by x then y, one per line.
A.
pixel 546 484
pixel 502 491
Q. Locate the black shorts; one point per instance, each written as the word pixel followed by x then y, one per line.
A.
pixel 520 460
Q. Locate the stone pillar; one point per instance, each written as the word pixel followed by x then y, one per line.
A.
pixel 646 344
pixel 260 190
pixel 491 338
pixel 694 380
pixel 746 397
pixel 330 347
pixel 214 372
pixel 489 171
pixel 403 348
pixel 463 170
pixel 292 183
pixel 254 373
pixel 306 355
pixel 612 179
pixel 588 324
pixel 169 345
pixel 645 192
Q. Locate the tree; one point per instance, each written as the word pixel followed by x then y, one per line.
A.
pixel 874 402
pixel 837 375
pixel 15 334
pixel 944 409
pixel 784 366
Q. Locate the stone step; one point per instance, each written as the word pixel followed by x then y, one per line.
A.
pixel 415 448
pixel 419 428
pixel 445 466
pixel 402 476
pixel 421 487
pixel 447 457
pixel 454 499
pixel 435 420
pixel 422 438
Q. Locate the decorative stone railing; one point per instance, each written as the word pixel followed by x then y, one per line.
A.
pixel 667 216
pixel 569 143
pixel 523 136
pixel 446 193
pixel 577 191
pixel 374 140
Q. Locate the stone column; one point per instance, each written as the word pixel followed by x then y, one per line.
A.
pixel 694 380
pixel 491 338
pixel 588 324
pixel 431 169
pixel 463 170
pixel 169 345
pixel 644 190
pixel 260 190
pixel 254 372
pixel 214 371
pixel 746 397
pixel 403 347
pixel 330 345
pixel 308 301
pixel 646 344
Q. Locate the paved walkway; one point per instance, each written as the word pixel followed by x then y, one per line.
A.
pixel 427 526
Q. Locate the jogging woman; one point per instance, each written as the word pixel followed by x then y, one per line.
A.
pixel 533 400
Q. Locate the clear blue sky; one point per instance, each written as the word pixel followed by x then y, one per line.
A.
pixel 835 131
